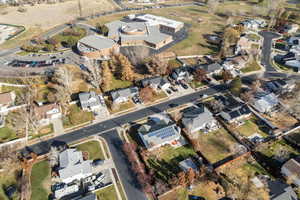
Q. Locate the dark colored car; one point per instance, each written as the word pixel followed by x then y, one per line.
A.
pixel 173 105
pixel 174 89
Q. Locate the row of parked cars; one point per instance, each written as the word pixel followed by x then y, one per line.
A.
pixel 43 63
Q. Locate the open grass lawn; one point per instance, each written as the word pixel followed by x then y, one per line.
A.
pixel 62 37
pixel 253 37
pixel 123 106
pixel 40 181
pixel 159 95
pixel 117 84
pixel 108 193
pixel 77 116
pixel 249 128
pixel 93 148
pixel 251 67
pixel 7 134
pixel 216 145
pixel 165 160
pixel 196 84
pixel 279 147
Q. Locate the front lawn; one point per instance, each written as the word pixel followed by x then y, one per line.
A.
pixel 108 193
pixel 159 95
pixel 165 160
pixel 216 145
pixel 7 179
pixel 251 67
pixel 93 148
pixel 253 37
pixel 40 181
pixel 7 134
pixel 196 84
pixel 123 107
pixel 77 116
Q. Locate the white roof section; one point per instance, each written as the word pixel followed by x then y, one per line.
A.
pixel 154 20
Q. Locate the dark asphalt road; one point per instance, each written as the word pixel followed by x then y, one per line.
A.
pixel 44 146
pixel 131 186
pixel 266 49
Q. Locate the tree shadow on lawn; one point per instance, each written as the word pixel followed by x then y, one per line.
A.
pixel 197 10
pixel 213 48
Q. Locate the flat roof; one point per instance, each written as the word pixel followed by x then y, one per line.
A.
pixel 96 42
pixel 153 20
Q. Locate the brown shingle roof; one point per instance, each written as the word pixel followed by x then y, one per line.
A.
pixel 41 111
pixel 293 166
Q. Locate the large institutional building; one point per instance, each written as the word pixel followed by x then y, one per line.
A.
pixel 134 30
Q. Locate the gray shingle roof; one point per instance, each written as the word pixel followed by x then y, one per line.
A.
pixel 231 114
pixel 89 99
pixel 210 68
pixel 195 117
pixel 281 191
pixel 126 92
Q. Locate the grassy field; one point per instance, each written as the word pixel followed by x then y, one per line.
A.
pixel 77 116
pixel 278 147
pixel 93 148
pixel 6 134
pixel 196 84
pixel 123 106
pixel 108 193
pixel 249 128
pixel 40 181
pixel 7 179
pixel 251 67
pixel 117 84
pixel 216 145
pixel 165 160
pixel 159 95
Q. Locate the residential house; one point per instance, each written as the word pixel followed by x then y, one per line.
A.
pixel 235 114
pixel 291 171
pixel 159 130
pixel 123 95
pixel 280 191
pixel 291 59
pixel 280 86
pixel 65 191
pixel 182 73
pixel 265 102
pixel 236 62
pixel 72 166
pixel 90 101
pixel 291 28
pixel 211 69
pixel 254 24
pixel 46 112
pixel 156 83
pixel 294 40
pixel 243 45
pixel 198 118
pixel 188 164
pixel 7 99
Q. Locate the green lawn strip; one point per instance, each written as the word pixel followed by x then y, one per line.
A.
pixel 39 174
pixel 77 116
pixel 93 148
pixel 251 67
pixel 215 146
pixel 7 134
pixel 196 84
pixel 159 95
pixel 253 37
pixel 108 193
pixel 117 84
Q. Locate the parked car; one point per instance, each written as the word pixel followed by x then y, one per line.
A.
pixel 136 99
pixel 173 105
pixel 168 91
pixel 174 89
pixel 185 86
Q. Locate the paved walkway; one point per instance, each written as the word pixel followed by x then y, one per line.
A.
pixel 58 126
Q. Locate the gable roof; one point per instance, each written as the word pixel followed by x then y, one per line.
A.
pixel 194 117
pixel 293 166
pixel 232 114
pixel 126 92
pixel 42 111
pixel 158 130
pixel 151 81
pixel 281 191
pixel 263 102
pixel 210 68
pixel 187 164
pixel 89 99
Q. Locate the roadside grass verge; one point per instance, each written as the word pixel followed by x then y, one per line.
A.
pixel 108 193
pixel 93 148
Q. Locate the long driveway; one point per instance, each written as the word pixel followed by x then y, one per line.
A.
pixel 132 188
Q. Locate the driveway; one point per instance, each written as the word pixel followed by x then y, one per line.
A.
pixel 132 188
pixel 58 126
